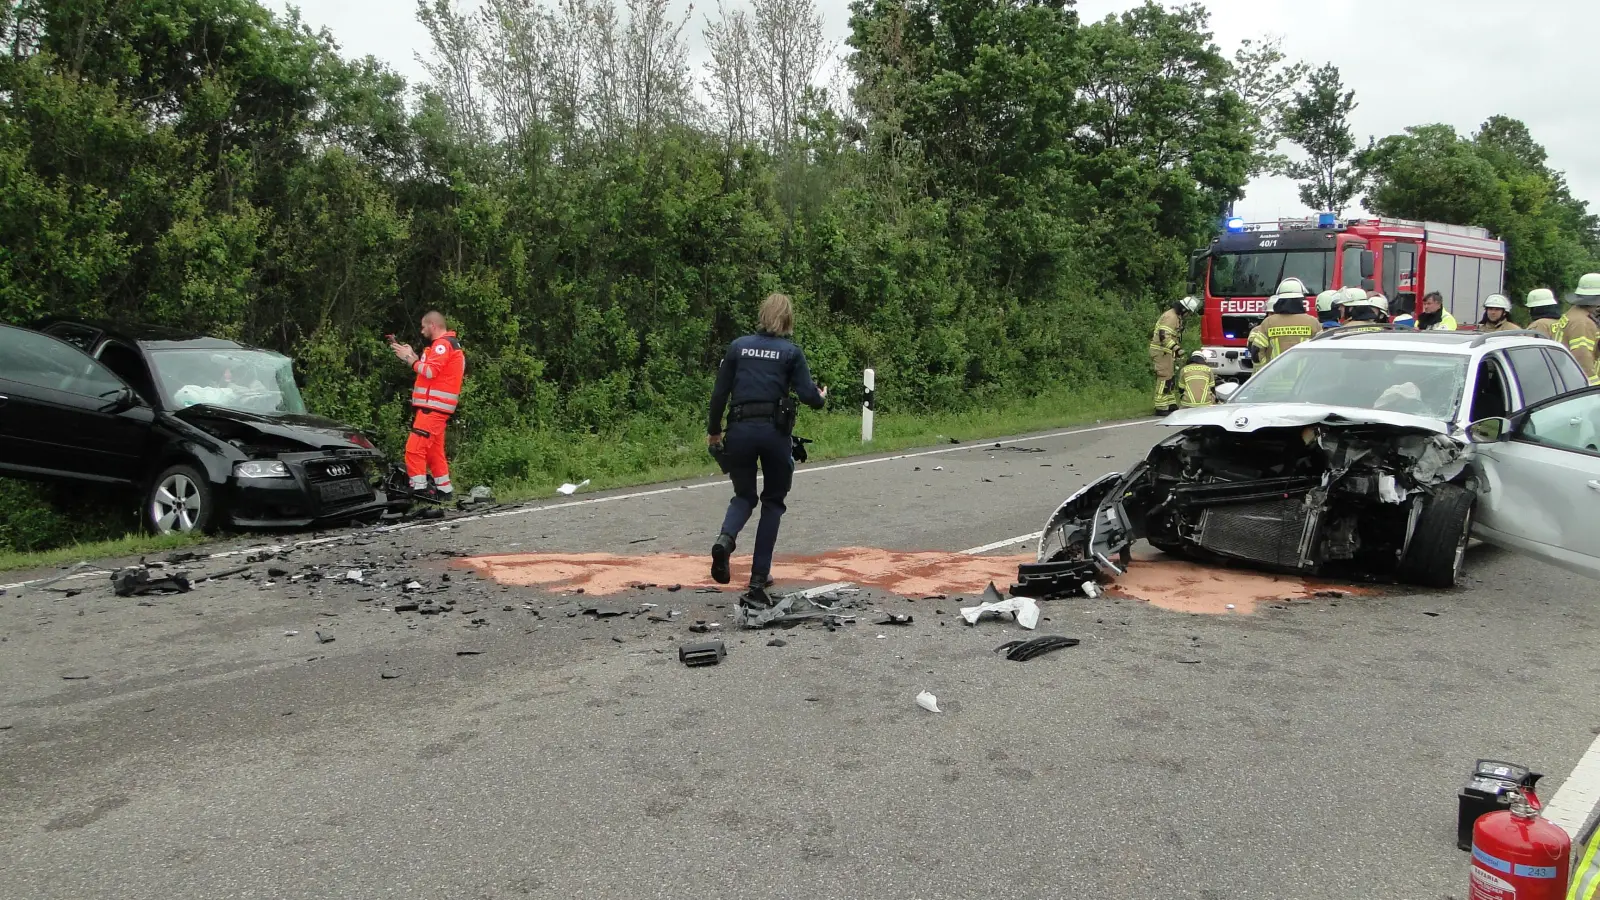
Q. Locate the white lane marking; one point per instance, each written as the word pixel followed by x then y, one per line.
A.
pixel 1569 809
pixel 1021 538
pixel 635 495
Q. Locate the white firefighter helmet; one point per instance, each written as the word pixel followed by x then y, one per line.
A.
pixel 1378 302
pixel 1497 301
pixel 1541 297
pixel 1327 300
pixel 1190 304
pixel 1295 288
pixel 1354 296
pixel 1588 292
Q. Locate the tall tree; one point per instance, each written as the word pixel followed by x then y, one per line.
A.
pixel 1318 122
pixel 1264 81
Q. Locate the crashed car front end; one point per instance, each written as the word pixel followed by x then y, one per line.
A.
pixel 1330 497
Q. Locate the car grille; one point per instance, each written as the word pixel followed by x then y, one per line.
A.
pixel 1271 532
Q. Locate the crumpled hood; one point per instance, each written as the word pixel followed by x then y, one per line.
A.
pixel 274 433
pixel 1245 418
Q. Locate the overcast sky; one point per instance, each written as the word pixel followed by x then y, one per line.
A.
pixel 1409 61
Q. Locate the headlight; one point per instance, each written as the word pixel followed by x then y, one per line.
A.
pixel 260 469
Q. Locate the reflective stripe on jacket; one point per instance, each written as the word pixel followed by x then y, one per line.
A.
pixel 1281 331
pixel 440 371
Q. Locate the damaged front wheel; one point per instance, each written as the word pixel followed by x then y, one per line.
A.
pixel 179 501
pixel 1438 546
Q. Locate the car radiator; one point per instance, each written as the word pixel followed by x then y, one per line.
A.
pixel 1274 532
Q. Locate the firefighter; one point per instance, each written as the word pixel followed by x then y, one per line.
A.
pixel 1577 329
pixel 1329 309
pixel 1288 325
pixel 1364 313
pixel 1496 314
pixel 1164 344
pixel 757 374
pixel 435 395
pixel 1197 383
pixel 1543 310
pixel 1434 316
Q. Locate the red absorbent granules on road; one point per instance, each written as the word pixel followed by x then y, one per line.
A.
pixel 1168 583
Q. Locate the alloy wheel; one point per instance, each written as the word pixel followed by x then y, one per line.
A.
pixel 176 504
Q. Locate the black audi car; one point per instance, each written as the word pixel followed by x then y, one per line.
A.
pixel 209 432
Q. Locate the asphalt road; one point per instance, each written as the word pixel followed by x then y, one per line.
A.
pixel 1309 750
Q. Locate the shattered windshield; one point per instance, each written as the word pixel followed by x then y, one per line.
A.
pixel 1418 384
pixel 249 380
pixel 1258 274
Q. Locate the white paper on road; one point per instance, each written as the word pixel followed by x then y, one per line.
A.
pixel 928 702
pixel 1024 609
pixel 570 488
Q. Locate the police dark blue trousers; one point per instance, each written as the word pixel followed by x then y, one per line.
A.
pixel 746 444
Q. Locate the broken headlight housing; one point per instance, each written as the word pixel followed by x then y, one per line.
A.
pixel 260 468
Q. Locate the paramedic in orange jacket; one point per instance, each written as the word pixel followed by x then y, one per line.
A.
pixel 435 394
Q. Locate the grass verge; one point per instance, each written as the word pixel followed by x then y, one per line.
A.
pixel 531 465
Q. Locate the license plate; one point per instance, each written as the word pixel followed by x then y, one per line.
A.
pixel 343 490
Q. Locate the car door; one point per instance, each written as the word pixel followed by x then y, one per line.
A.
pixel 1541 486
pixel 63 414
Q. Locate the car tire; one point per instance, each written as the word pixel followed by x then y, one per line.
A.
pixel 1439 545
pixel 179 500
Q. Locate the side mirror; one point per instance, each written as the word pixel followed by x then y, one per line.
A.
pixel 1369 263
pixel 1226 390
pixel 1368 285
pixel 1489 431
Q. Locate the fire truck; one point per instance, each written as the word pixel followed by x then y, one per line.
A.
pixel 1405 260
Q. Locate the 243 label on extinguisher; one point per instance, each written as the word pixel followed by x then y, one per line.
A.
pixel 1489 886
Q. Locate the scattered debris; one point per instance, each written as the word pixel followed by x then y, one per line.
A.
pixel 137 581
pixel 480 494
pixel 469 652
pixel 701 626
pixel 354 576
pixel 707 653
pixel 407 606
pixel 323 638
pixel 182 556
pixel 1023 609
pixel 708 590
pixel 777 642
pixel 642 540
pixel 617 638
pixel 896 619
pixel 604 612
pixel 1022 651
pixel 1230 606
pixel 938 468
pixel 570 488
pixel 290 633
pixel 1431 615
pixel 928 702
pixel 411 587
pixel 674 588
pixel 75 677
pixel 387 676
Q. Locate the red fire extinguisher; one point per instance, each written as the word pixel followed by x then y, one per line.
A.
pixel 1518 855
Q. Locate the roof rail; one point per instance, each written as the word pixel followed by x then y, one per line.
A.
pixel 1344 331
pixel 1487 336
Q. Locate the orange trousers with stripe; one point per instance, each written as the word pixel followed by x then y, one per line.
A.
pixel 425 451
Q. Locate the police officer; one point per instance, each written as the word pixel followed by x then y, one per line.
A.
pixel 1434 316
pixel 1164 344
pixel 1328 308
pixel 1544 310
pixel 1578 329
pixel 1288 325
pixel 1197 383
pixel 1496 314
pixel 757 374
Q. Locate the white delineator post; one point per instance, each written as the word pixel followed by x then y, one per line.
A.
pixel 869 381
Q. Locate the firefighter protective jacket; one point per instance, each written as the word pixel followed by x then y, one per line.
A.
pixel 439 370
pixel 1280 331
pixel 1579 332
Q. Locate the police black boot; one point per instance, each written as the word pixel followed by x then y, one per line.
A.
pixel 756 596
pixel 720 551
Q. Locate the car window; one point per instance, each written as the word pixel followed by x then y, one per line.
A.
pixel 1569 424
pixel 1489 398
pixel 1567 370
pixel 32 358
pixel 1533 374
pixel 126 363
pixel 80 336
pixel 1421 384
